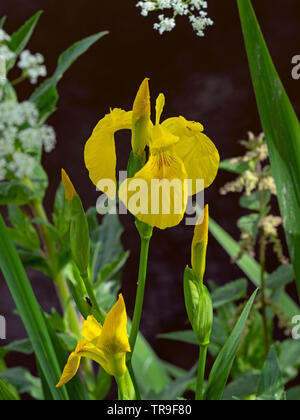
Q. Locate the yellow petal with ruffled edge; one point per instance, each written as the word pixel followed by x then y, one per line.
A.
pixel 200 156
pixel 100 151
pixel 157 194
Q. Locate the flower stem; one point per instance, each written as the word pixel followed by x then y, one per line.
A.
pixel 125 388
pixel 201 373
pixel 262 257
pixel 19 80
pixel 263 292
pixel 134 382
pixel 145 242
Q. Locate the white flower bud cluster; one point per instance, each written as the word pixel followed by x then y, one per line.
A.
pixel 21 139
pixel 32 66
pixel 194 8
pixel 257 176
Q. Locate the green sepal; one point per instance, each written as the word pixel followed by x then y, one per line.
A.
pixel 199 307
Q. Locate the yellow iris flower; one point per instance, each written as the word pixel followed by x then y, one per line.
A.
pixel 179 155
pixel 106 345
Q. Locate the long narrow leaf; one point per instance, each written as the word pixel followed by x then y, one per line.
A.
pixel 222 367
pixel 30 312
pixel 64 62
pixel 20 38
pixel 281 127
pixel 2 21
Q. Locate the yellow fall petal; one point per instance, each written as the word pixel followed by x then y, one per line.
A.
pixel 162 197
pixel 70 191
pixel 100 152
pixel 72 365
pixel 199 154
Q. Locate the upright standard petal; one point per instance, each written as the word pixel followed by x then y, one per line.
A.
pixel 100 151
pixel 114 340
pixel 157 194
pixel 114 335
pixel 200 156
pixel 91 329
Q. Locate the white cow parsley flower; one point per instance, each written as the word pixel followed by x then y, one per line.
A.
pixel 22 165
pixel 194 8
pixel 6 54
pixel 4 37
pixel 22 139
pixel 32 66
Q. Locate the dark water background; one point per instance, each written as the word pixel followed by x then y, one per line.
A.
pixel 204 79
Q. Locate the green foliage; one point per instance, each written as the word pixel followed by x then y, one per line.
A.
pixel 222 367
pixel 270 386
pixel 20 39
pixel 279 122
pixel 45 96
pixel 30 311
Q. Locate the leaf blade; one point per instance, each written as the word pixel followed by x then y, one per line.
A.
pixel 281 127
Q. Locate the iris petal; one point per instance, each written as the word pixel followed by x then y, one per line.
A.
pixel 91 329
pixel 199 154
pixel 100 151
pixel 162 198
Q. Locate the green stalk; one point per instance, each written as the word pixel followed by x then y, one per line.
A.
pixel 133 379
pixel 201 373
pixel 125 388
pixel 145 242
pixel 263 290
pixel 262 258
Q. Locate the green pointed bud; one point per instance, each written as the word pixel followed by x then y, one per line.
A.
pixel 141 115
pixel 199 307
pixel 199 245
pixel 79 230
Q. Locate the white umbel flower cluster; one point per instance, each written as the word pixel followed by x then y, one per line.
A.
pixel 5 56
pixel 32 66
pixel 21 139
pixel 195 9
